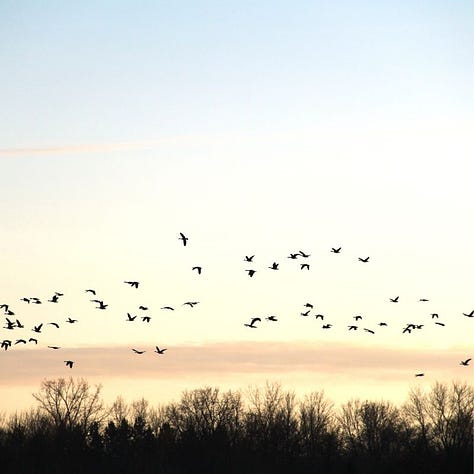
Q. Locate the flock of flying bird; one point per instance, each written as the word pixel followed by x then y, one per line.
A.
pixel 308 308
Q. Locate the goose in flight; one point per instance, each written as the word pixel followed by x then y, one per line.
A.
pixel 434 315
pixel 69 363
pixel 130 317
pixel 71 321
pixel 249 258
pixel 54 299
pixel 304 265
pixel 327 326
pixel 252 323
pixel 364 260
pixel 358 317
pixel 146 319
pixel 308 305
pixel 6 344
pixel 167 307
pixel 304 255
pixel 90 290
pixel 465 362
pixel 183 238
pixel 382 324
pixel 470 315
pixel 407 329
pixel 138 351
pixel 56 325
pixel 19 325
pixel 18 341
pixel 369 330
pixel 37 328
pixel 36 300
pixel 32 339
pixel 26 300
pixel 251 272
pixel 5 307
pixel 144 308
pixel 100 303
pixel 54 347
pixel 440 324
pixel 394 300
pixel 352 328
pixel 306 313
pixel 271 318
pixel 133 284
pixel 160 351
pixel 10 324
pixel 198 269
pixel 319 316
pixel 191 303
pixel 274 266
pixel 423 300
pixel 333 250
pixel 293 256
pixel 421 374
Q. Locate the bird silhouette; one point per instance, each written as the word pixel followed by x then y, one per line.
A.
pixel 19 325
pixel 191 304
pixel 100 303
pixel 26 300
pixel 306 313
pixel 333 250
pixel 308 305
pixel 319 316
pixel 440 324
pixel 168 307
pixel 56 325
pixel 130 317
pixel 407 329
pixel 160 351
pixel 144 308
pixel 20 341
pixel 54 347
pixel 304 255
pixel 358 317
pixel 251 272
pixel 10 324
pixel 249 258
pixel 465 362
pixel 36 301
pixel 37 328
pixel 470 315
pixel 352 328
pixel 271 318
pixel 369 330
pixel 382 324
pixel 293 256
pixel 327 326
pixel 138 351
pixel 146 319
pixel 6 343
pixel 69 363
pixel 252 323
pixel 394 300
pixel 133 284
pixel 90 291
pixel 32 339
pixel 274 266
pixel 54 299
pixel 183 238
pixel 434 315
pixel 198 269
pixel 304 265
pixel 423 300
pixel 71 321
pixel 364 260
pixel 421 374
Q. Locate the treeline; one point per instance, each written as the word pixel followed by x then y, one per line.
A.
pixel 264 430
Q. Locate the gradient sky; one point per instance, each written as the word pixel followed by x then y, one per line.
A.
pixel 254 129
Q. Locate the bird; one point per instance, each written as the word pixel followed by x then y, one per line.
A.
pixel 251 272
pixel 304 255
pixel 138 352
pixel 420 375
pixel 32 339
pixel 198 269
pixel 183 238
pixel 54 347
pixel 440 324
pixel 249 258
pixel 4 306
pixel 407 329
pixel 434 315
pixel 10 324
pixel 382 324
pixel 191 303
pixel 36 301
pixel 274 266
pixel 71 321
pixel 19 325
pixel 69 363
pixel 293 256
pixel 419 326
pixel 369 330
pixel 6 344
pixel 358 317
pixel 37 328
pixel 304 265
pixel 352 328
pixel 54 299
pixel 130 317
pixel 333 250
pixel 90 291
pixel 58 294
pixel 465 362
pixel 327 326
pixel 100 303
pixel 423 300
pixel 26 300
pixel 308 305
pixel 55 325
pixel 160 351
pixel 132 283
pixel 470 315
pixel 252 323
pixel 22 341
pixel 306 313
pixel 146 319
pixel 365 260
pixel 271 318
pixel 394 300
pixel 144 308
pixel 168 307
pixel 319 316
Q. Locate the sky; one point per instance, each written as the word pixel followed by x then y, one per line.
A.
pixel 255 128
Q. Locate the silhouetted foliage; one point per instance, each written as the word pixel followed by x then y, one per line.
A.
pixel 266 431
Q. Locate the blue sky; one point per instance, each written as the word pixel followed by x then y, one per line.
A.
pixel 255 128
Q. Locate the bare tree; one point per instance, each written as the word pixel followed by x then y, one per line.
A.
pixel 71 403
